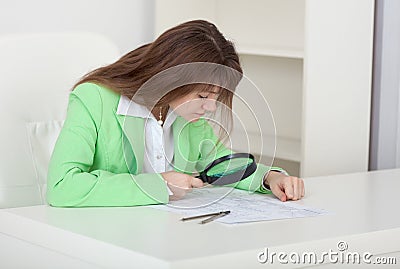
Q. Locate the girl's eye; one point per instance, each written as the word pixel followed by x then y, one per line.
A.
pixel 203 96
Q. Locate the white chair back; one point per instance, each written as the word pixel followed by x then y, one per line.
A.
pixel 37 72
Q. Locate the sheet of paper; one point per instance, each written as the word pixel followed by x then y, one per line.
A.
pixel 244 206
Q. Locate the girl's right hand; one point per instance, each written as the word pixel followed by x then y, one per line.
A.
pixel 180 183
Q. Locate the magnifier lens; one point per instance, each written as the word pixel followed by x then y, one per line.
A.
pixel 229 167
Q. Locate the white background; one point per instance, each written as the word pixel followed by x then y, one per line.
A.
pixel 129 23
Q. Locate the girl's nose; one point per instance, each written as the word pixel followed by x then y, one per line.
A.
pixel 210 105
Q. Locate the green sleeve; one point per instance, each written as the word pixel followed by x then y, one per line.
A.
pixel 212 148
pixel 254 183
pixel 72 182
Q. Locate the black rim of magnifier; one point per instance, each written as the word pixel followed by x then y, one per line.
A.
pixel 234 177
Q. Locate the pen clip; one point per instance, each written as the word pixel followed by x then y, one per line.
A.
pixel 222 213
pixel 219 215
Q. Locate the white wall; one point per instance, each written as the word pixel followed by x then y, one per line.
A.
pixel 385 129
pixel 129 23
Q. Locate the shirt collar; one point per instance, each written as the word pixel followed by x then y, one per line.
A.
pixel 128 107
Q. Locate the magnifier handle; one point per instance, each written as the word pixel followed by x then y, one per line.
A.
pixel 203 177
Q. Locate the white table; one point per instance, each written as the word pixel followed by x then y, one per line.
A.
pixel 365 215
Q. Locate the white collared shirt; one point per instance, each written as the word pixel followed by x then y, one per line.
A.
pixel 159 140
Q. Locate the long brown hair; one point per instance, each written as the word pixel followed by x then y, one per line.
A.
pixel 190 42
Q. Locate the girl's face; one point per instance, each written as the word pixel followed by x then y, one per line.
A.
pixel 194 105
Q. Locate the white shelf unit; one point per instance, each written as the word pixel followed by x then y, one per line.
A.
pixel 312 61
pixel 259 50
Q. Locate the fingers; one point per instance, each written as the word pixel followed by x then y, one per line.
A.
pixel 197 182
pixel 178 192
pixel 294 188
pixel 180 184
pixel 279 193
pixel 288 188
pixel 302 190
pixel 190 182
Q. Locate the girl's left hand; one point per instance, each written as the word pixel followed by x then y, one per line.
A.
pixel 285 187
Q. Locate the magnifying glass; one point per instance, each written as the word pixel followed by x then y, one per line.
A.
pixel 229 169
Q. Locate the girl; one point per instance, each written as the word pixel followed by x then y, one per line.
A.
pixel 130 139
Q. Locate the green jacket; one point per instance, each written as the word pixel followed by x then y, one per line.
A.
pixel 98 157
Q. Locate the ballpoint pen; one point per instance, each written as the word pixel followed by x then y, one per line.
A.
pixel 212 216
